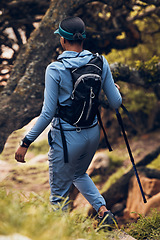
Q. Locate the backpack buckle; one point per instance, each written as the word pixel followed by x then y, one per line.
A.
pixel 78 129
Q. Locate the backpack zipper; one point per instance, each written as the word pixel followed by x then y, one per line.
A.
pixel 81 114
pixel 81 79
pixel 92 95
pixel 91 64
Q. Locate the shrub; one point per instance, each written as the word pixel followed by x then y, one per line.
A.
pixel 146 227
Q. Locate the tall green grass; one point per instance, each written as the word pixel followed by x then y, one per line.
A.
pixel 146 227
pixel 32 215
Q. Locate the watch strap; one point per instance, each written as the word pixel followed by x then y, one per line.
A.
pixel 25 142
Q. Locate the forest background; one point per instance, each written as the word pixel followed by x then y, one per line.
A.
pixel 127 33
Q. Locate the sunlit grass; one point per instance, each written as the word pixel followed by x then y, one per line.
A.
pixel 146 227
pixel 155 164
pixel 116 161
pixel 39 147
pixel 113 178
pixel 32 215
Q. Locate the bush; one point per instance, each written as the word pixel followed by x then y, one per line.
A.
pixel 146 227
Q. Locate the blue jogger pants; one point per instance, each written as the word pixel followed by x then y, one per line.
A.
pixel 81 149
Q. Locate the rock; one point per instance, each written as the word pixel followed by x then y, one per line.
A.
pixel 118 208
pixel 135 204
pixel 124 236
pixel 153 202
pixel 14 237
pixel 99 164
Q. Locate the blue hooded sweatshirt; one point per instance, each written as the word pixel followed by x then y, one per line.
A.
pixel 58 87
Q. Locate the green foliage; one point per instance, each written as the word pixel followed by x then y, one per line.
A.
pixel 32 215
pixel 144 51
pixel 138 100
pixel 130 56
pixel 149 69
pixel 155 164
pixel 146 227
pixel 142 105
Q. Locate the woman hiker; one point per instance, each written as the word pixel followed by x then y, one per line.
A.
pixel 81 145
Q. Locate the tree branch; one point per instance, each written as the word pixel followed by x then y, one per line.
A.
pixel 152 2
pixel 146 13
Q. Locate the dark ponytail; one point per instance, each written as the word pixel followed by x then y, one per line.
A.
pixel 78 36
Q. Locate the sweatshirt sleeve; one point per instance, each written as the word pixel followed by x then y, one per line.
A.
pixel 109 88
pixel 49 104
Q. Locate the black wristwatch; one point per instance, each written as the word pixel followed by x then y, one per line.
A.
pixel 25 143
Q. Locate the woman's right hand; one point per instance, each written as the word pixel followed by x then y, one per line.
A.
pixel 20 154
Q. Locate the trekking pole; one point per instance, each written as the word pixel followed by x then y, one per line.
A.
pixel 130 153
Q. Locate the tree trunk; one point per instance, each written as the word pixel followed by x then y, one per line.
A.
pixel 22 98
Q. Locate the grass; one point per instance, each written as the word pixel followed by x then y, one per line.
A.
pixel 33 216
pixel 39 147
pixel 155 164
pixel 115 161
pixel 112 179
pixel 146 227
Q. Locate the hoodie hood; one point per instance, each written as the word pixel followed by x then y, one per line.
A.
pixel 73 59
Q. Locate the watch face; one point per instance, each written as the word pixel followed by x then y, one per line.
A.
pixel 21 143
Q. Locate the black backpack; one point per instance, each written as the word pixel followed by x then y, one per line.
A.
pixel 85 102
pixel 86 89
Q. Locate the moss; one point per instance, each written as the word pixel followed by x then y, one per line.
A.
pixel 97 179
pixel 149 69
pixel 138 101
pixel 115 160
pixel 155 164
